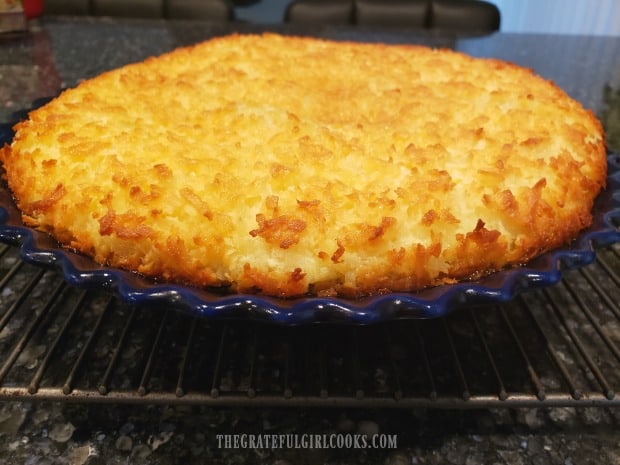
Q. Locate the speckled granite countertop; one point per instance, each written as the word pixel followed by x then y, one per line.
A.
pixel 44 433
pixel 59 53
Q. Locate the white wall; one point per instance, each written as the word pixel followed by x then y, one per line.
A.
pixel 589 17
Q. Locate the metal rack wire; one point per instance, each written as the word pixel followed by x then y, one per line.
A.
pixel 554 347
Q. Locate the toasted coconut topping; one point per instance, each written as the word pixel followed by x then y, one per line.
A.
pixel 290 166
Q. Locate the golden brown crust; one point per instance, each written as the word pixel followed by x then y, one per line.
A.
pixel 289 166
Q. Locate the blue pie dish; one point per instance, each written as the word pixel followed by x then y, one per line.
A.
pixel 546 270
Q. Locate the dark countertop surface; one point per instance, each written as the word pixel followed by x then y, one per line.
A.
pixel 58 53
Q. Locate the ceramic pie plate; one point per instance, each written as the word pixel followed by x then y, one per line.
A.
pixel 546 270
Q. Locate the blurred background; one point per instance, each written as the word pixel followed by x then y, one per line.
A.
pixel 588 17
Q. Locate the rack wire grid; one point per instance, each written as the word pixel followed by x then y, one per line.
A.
pixel 558 346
